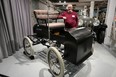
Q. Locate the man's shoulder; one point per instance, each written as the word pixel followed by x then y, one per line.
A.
pixel 74 12
pixel 64 11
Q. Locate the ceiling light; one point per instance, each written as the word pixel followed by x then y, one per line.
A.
pixel 59 1
pixel 64 1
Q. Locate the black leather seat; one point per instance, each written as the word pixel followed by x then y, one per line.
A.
pixel 42 19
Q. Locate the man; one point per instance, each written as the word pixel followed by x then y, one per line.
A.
pixel 70 17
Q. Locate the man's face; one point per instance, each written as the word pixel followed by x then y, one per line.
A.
pixel 69 7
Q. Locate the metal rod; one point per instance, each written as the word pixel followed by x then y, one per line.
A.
pixel 48 23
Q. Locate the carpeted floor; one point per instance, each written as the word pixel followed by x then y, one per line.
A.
pixel 101 64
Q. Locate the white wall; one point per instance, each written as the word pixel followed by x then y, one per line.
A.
pixel 92 9
pixel 109 19
pixel 36 4
pixel 44 7
pixel 1 56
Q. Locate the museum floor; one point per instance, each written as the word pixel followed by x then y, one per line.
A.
pixel 101 64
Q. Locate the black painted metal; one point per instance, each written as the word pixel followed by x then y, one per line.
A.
pixel 78 45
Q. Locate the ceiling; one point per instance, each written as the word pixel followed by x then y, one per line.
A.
pixel 55 1
pixel 81 3
pixel 64 0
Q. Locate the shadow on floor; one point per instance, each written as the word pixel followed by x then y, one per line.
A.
pixel 23 59
pixel 1 75
pixel 70 71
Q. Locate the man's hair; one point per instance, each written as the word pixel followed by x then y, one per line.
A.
pixel 69 5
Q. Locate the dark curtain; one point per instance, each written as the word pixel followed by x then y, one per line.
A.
pixel 15 23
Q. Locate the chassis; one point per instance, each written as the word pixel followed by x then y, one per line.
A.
pixel 77 45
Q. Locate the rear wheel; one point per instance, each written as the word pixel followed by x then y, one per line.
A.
pixel 55 62
pixel 101 37
pixel 28 50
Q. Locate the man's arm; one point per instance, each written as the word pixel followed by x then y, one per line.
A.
pixel 62 15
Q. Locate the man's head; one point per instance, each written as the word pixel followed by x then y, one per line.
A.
pixel 69 7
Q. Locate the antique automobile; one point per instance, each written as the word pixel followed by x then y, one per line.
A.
pixel 77 42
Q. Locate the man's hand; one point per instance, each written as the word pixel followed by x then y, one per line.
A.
pixel 64 17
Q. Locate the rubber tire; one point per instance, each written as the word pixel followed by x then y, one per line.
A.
pixel 31 54
pixel 60 61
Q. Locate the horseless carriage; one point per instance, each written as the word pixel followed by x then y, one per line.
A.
pixel 77 42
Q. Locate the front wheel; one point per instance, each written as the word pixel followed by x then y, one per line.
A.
pixel 28 50
pixel 55 62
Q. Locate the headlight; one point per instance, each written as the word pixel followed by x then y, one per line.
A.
pixel 80 22
pixel 96 22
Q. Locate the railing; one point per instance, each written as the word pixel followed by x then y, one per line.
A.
pixel 48 4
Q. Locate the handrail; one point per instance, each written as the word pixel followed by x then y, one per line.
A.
pixel 46 3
